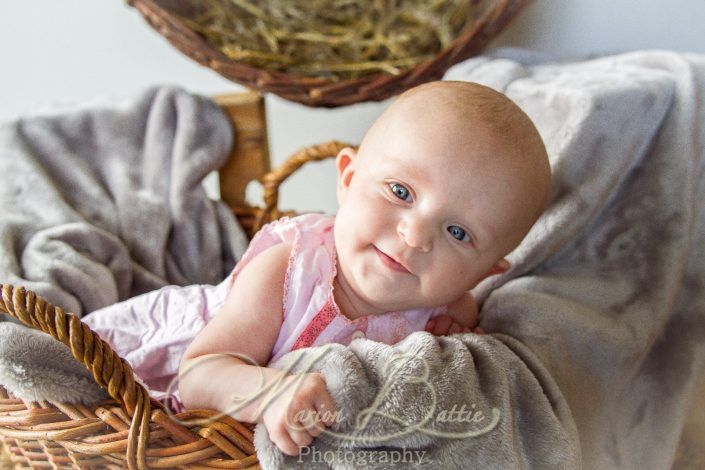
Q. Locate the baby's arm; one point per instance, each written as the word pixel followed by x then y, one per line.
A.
pixel 461 317
pixel 247 326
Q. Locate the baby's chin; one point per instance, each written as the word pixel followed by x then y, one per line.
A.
pixel 400 301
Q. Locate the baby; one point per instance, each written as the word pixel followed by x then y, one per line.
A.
pixel 444 185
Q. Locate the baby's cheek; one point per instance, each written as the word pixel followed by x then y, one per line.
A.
pixel 366 222
pixel 469 273
pixel 455 282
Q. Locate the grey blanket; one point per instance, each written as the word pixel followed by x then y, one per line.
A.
pixel 103 201
pixel 596 336
pixel 596 341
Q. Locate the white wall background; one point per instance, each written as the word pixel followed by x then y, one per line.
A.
pixel 53 52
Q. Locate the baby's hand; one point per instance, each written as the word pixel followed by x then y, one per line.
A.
pixel 443 325
pixel 299 413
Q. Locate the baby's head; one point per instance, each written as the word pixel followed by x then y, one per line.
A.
pixel 444 185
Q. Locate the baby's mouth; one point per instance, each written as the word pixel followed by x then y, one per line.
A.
pixel 390 262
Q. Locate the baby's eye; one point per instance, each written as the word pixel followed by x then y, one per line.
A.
pixel 400 191
pixel 458 233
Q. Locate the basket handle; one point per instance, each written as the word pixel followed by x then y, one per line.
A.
pixel 109 370
pixel 272 180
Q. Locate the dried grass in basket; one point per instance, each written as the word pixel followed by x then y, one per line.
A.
pixel 131 430
pixel 325 81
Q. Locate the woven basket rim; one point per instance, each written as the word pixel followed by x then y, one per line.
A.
pixel 327 92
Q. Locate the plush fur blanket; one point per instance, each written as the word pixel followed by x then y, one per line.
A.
pixel 596 336
pixel 103 200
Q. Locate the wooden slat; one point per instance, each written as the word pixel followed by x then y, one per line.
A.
pixel 249 159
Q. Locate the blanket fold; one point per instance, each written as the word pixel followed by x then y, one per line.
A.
pixel 103 201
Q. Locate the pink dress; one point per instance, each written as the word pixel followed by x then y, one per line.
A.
pixel 152 331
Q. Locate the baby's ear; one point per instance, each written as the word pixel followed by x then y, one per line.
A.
pixel 345 164
pixel 498 268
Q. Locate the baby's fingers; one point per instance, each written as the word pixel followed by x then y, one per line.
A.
pixel 300 435
pixel 314 426
pixel 321 414
pixel 280 437
pixel 312 421
pixel 325 409
pixel 442 325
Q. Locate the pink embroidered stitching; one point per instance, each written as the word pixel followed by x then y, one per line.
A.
pixel 316 326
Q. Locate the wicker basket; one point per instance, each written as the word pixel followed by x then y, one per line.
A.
pixel 130 430
pixel 494 16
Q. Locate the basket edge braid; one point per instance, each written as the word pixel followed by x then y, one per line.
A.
pixel 85 345
pixel 272 181
pixel 35 313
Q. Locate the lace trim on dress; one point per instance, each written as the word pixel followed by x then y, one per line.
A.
pixel 296 246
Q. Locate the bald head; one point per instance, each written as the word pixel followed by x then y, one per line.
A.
pixel 475 123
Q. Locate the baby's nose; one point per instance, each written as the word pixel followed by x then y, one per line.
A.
pixel 415 234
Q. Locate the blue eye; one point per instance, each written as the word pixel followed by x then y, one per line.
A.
pixel 458 233
pixel 400 191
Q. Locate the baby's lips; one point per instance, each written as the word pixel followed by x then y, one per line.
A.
pixel 430 325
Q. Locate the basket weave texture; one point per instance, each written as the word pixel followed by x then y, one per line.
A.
pixel 494 16
pixel 131 430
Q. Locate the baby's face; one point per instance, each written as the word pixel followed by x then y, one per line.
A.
pixel 427 209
